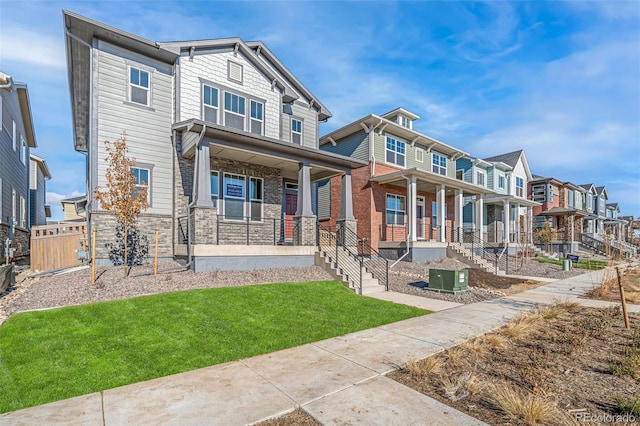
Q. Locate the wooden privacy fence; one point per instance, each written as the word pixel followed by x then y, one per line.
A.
pixel 54 246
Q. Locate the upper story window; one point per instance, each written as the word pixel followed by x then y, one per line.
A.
pixel 460 174
pixel 519 187
pixel 590 202
pixel 439 164
pixel 550 193
pixel 210 103
pixel 405 122
pixel 480 177
pixel 538 193
pixel 571 198
pixel 234 111
pixel 395 151
pixel 139 84
pixel 142 180
pixel 23 150
pixel 257 117
pixel 296 131
pixel 500 182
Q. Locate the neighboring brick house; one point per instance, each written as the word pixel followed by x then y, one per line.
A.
pixel 407 199
pixel 225 136
pixel 17 137
pixel 39 211
pixel 508 176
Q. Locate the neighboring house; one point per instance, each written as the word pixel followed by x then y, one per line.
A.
pixel 16 138
pixel 407 200
pixel 613 225
pixel 74 209
pixel 601 211
pixel 589 207
pixel 223 134
pixel 507 175
pixel 39 211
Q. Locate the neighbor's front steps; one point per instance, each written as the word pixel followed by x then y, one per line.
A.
pixel 347 270
pixel 338 381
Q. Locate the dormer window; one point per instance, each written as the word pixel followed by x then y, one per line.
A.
pixel 405 122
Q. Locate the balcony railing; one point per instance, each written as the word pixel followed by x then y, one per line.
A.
pixel 240 231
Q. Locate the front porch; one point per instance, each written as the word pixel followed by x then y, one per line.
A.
pixel 247 201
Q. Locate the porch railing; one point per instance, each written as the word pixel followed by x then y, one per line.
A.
pixel 494 254
pixel 240 231
pixel 370 258
pixel 424 232
pixel 343 257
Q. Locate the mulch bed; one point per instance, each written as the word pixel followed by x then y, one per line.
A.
pixel 298 417
pixel 568 361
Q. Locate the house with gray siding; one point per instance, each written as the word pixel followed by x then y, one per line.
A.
pixel 223 134
pixel 17 137
pixel 407 200
pixel 39 174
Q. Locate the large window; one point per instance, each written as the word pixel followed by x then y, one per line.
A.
pixel 296 131
pixel 139 86
pixel 257 117
pixel 142 180
pixel 395 151
pixel 439 165
pixel 480 177
pixel 396 209
pixel 210 103
pixel 434 214
pixel 519 187
pixel 234 111
pixel 215 187
pixel 256 197
pixel 234 195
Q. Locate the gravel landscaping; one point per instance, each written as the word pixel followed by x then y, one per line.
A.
pixel 74 288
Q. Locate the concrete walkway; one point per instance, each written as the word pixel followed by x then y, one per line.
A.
pixel 338 381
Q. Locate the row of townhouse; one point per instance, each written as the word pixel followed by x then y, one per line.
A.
pixel 23 175
pixel 227 140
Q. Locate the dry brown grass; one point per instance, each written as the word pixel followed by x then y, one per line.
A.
pixel 474 346
pixel 632 297
pixel 528 409
pixel 425 367
pixel 568 306
pixel 493 340
pixel 456 356
pixel 520 326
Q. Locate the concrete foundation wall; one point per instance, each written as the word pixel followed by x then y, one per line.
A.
pixel 249 263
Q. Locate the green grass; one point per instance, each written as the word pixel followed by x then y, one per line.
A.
pixel 592 265
pixel 60 353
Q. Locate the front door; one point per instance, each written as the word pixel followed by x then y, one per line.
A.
pixel 420 218
pixel 290 207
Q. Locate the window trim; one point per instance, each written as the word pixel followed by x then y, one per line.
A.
pixel 225 110
pixel 387 209
pixel 483 173
pixel 435 165
pixel 130 84
pixel 395 151
pixel 23 213
pixel 261 120
pixel 243 198
pixel 502 181
pixel 250 199
pixel 14 135
pixel 421 152
pixel 301 132
pixel 205 106
pixel 149 169
pixel 23 150
pixel 519 193
pixel 215 198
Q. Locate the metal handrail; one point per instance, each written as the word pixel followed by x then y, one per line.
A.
pixel 341 255
pixel 370 258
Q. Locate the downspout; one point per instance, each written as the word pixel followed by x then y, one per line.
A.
pixel 372 155
pixel 9 84
pixel 408 239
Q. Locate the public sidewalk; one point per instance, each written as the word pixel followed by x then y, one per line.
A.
pixel 338 381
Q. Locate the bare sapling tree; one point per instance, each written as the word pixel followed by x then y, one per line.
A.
pixel 124 195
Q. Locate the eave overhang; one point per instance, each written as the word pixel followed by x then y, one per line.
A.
pixel 501 198
pixel 25 111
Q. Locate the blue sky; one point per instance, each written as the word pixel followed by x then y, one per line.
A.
pixel 560 80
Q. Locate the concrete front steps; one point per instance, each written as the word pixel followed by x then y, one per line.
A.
pixel 467 257
pixel 347 271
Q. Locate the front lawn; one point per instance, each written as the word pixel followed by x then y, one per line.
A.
pixel 60 353
pixel 592 265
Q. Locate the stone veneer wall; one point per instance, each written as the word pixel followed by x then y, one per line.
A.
pixel 21 239
pixel 105 225
pixel 203 221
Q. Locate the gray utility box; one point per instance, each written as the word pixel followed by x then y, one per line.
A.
pixel 448 281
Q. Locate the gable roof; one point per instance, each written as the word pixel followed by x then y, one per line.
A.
pixel 601 190
pixel 42 165
pixel 511 159
pixel 401 111
pixel 589 187
pixel 22 93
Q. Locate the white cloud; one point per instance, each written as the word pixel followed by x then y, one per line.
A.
pixel 30 47
pixel 54 199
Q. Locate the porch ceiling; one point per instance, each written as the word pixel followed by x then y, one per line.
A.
pixel 498 198
pixel 246 147
pixel 429 182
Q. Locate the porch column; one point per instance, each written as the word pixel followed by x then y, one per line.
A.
pixel 459 205
pixel 203 214
pixel 506 207
pixel 412 194
pixel 304 220
pixel 441 206
pixel 202 177
pixel 530 225
pixel 479 208
pixel 346 218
